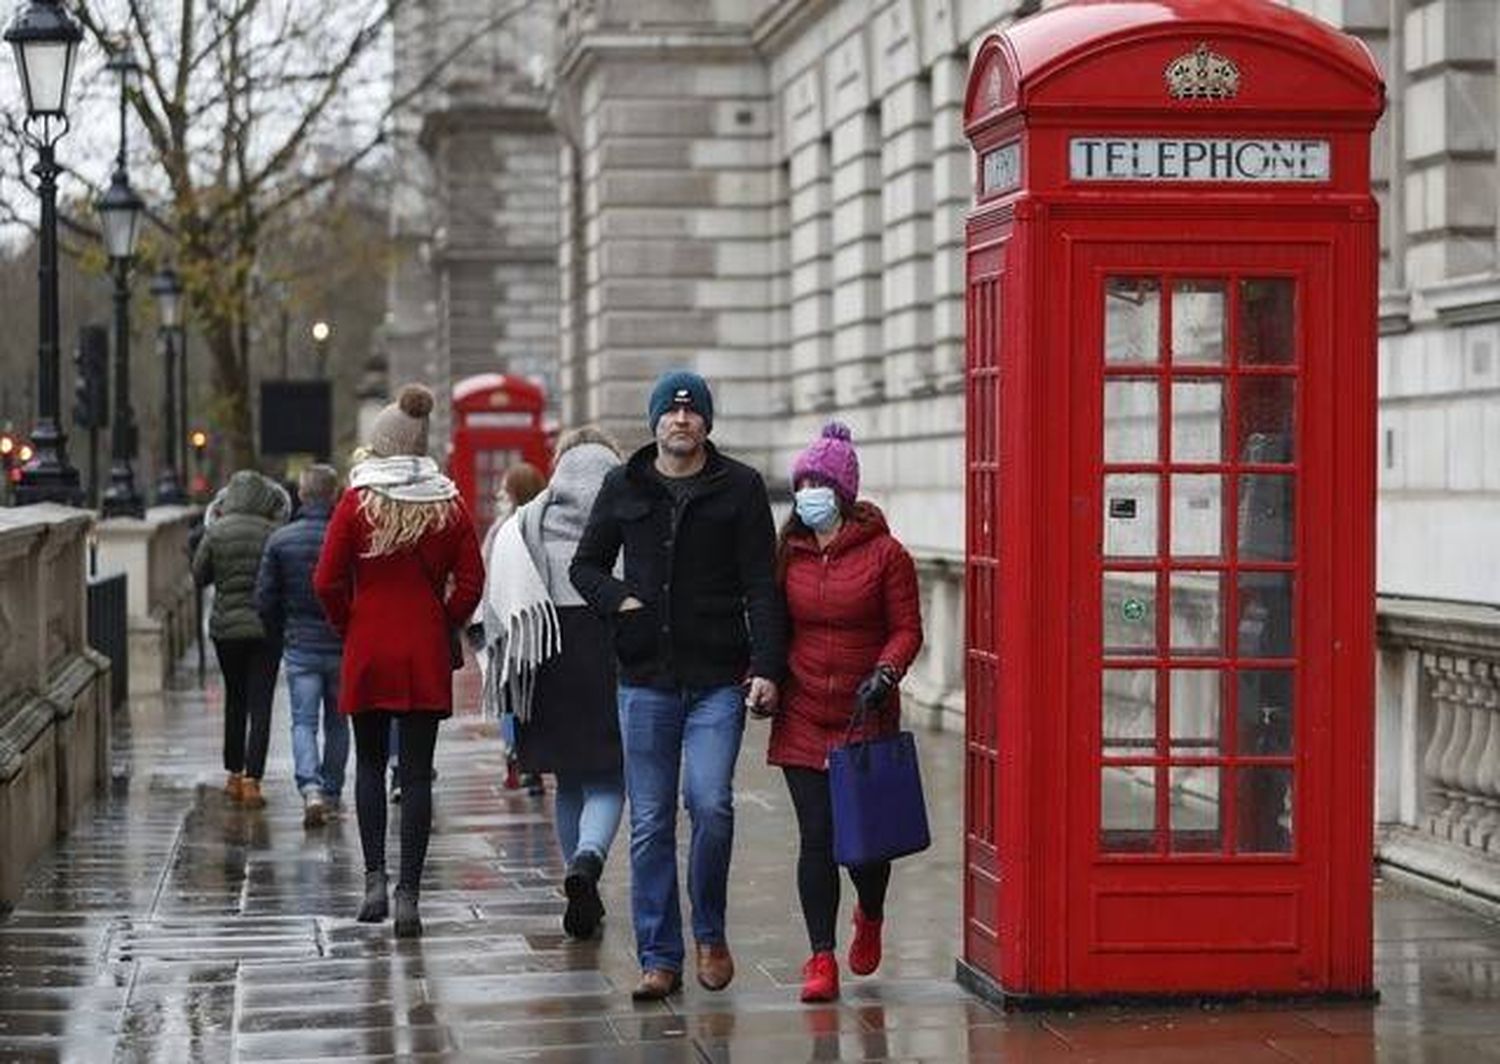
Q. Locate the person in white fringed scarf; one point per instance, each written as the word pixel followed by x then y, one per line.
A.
pixel 551 663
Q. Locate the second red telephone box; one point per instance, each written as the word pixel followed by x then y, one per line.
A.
pixel 1171 491
pixel 497 422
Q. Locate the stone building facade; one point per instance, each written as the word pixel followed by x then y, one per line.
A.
pixel 773 192
pixel 474 218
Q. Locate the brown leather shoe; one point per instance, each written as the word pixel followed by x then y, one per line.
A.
pixel 657 983
pixel 715 966
pixel 233 786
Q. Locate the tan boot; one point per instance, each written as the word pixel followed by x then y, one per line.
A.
pixel 715 966
pixel 235 786
pixel 657 983
pixel 250 796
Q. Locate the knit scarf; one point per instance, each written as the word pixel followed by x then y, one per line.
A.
pixel 520 623
pixel 404 477
pixel 526 578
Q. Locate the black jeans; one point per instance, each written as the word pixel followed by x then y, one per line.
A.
pixel 372 744
pixel 249 668
pixel 817 875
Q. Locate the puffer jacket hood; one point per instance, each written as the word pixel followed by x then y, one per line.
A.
pixel 248 492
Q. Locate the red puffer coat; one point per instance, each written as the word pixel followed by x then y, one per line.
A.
pixel 852 605
pixel 386 608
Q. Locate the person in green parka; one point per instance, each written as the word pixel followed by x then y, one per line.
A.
pixel 228 557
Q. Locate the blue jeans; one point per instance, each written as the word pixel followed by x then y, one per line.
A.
pixel 695 735
pixel 588 812
pixel 312 682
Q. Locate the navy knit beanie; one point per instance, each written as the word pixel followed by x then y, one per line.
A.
pixel 680 387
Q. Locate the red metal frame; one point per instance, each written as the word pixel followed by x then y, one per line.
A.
pixel 497 420
pixel 1054 906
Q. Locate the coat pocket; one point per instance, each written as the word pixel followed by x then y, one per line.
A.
pixel 635 636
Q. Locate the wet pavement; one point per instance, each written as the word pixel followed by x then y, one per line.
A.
pixel 171 926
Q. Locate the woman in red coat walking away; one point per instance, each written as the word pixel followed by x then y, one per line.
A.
pixel 400 571
pixel 856 626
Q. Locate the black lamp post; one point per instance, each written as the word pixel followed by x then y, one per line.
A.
pixel 46 40
pixel 121 210
pixel 167 289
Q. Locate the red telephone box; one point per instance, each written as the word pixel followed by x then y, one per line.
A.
pixel 497 422
pixel 1171 484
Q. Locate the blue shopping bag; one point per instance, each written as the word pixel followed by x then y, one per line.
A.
pixel 879 812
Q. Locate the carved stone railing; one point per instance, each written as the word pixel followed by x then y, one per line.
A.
pixel 933 691
pixel 54 689
pixel 1438 793
pixel 152 552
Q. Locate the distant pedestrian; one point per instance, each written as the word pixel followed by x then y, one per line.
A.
pixel 228 557
pixel 553 667
pixel 399 576
pixel 520 483
pixel 311 650
pixel 855 628
pixel 698 632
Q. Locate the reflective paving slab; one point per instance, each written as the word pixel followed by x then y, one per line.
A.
pixel 172 926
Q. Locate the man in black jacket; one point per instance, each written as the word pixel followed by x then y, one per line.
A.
pixel 699 633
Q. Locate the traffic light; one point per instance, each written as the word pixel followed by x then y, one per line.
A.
pixel 91 385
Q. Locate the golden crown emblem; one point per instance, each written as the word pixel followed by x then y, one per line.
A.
pixel 1203 75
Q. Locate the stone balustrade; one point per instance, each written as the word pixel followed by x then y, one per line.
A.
pixel 1438 797
pixel 54 689
pixel 153 553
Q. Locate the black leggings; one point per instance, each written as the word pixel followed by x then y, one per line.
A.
pixel 817 875
pixel 372 737
pixel 249 668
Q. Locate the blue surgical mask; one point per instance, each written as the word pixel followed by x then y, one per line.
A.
pixel 817 508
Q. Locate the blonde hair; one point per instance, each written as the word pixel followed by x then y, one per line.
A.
pixel 397 526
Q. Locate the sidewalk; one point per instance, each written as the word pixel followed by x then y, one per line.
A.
pixel 173 927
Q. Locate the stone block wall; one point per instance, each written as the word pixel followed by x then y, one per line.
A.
pixel 54 690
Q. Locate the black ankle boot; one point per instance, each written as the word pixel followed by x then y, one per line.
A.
pixel 376 906
pixel 581 885
pixel 408 923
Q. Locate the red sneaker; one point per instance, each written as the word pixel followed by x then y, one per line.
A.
pixel 864 951
pixel 820 978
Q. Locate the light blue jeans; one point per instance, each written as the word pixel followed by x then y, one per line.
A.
pixel 589 807
pixel 312 682
pixel 692 736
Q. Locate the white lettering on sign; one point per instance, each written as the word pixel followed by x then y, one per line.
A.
pixel 1001 169
pixel 1197 159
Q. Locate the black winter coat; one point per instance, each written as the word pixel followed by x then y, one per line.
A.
pixel 712 613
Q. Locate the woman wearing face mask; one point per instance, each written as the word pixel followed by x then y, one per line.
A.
pixel 856 626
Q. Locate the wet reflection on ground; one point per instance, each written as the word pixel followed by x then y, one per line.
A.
pixel 170 926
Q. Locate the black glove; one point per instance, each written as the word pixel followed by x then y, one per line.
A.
pixel 875 688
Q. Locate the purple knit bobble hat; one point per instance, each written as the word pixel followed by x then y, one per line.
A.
pixel 831 459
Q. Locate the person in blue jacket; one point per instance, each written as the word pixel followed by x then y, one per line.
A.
pixel 313 651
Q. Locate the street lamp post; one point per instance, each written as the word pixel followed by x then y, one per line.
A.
pixel 46 40
pixel 121 210
pixel 168 292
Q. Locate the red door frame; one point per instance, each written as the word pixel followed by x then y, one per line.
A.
pixel 1202 922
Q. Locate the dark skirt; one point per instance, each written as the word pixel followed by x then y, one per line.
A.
pixel 574 726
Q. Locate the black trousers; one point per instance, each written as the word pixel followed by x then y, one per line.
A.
pixel 372 747
pixel 817 875
pixel 249 668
